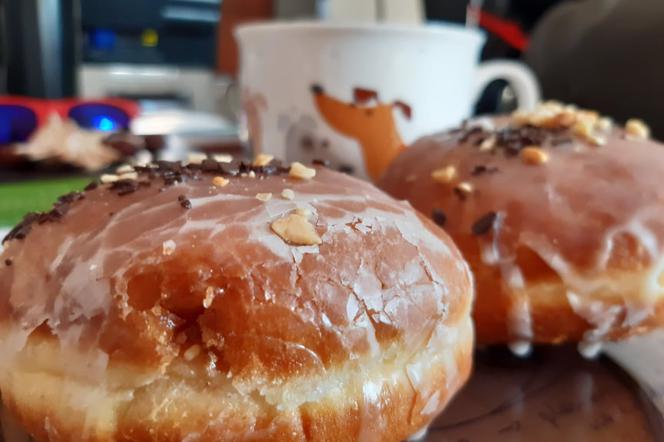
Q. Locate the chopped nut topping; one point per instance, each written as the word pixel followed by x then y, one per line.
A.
pixel 521 117
pixel 534 155
pixel 263 159
pixel 192 352
pixel 488 144
pixel 287 194
pixel 637 128
pixel 209 297
pixel 295 229
pixel 565 118
pixel 222 158
pixel 125 168
pixel 220 181
pixel 196 158
pixel 444 175
pixel 549 114
pixel 299 170
pixel 604 124
pixel 264 196
pixel 596 140
pixel 589 116
pixel 553 115
pixel 583 128
pixel 303 211
pixel 143 158
pixel 128 176
pixel 464 188
pixel 108 178
pixel 168 247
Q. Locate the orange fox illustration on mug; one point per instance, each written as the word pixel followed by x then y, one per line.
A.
pixel 367 120
pixel 307 71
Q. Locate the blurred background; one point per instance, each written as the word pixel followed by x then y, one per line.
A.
pixel 175 63
pixel 174 53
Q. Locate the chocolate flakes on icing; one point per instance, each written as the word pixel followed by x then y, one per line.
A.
pixel 511 140
pixel 168 172
pixel 550 124
pixel 91 186
pixel 484 224
pixel 174 172
pixel 60 208
pixel 439 217
pixel 184 202
pixel 482 169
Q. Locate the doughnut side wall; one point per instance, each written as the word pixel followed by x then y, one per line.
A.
pixel 176 312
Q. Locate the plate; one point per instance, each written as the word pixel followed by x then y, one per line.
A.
pixel 555 395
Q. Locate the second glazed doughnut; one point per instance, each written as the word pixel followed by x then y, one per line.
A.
pixel 560 214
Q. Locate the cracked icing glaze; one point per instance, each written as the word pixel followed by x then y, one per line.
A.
pixel 576 249
pixel 132 284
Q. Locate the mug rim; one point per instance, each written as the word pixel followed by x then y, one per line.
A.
pixel 430 28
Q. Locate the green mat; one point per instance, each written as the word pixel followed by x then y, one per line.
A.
pixel 18 198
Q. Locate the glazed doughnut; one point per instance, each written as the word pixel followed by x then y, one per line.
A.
pixel 560 215
pixel 226 301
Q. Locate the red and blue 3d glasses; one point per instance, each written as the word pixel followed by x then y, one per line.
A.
pixel 21 116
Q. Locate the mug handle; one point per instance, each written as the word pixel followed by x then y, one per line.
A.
pixel 518 75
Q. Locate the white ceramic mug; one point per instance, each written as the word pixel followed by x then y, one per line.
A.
pixel 356 95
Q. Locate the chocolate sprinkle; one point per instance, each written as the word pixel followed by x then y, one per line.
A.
pixel 124 187
pixel 561 140
pixel 184 202
pixel 347 168
pixel 484 223
pixel 92 185
pixel 481 169
pixel 70 197
pixel 468 134
pixel 8 262
pixel 511 140
pixel 439 217
pixel 171 172
pixel 460 194
pixel 515 139
pixel 210 165
pixel 321 162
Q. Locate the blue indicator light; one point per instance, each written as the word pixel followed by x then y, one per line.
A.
pixel 102 39
pixel 104 123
